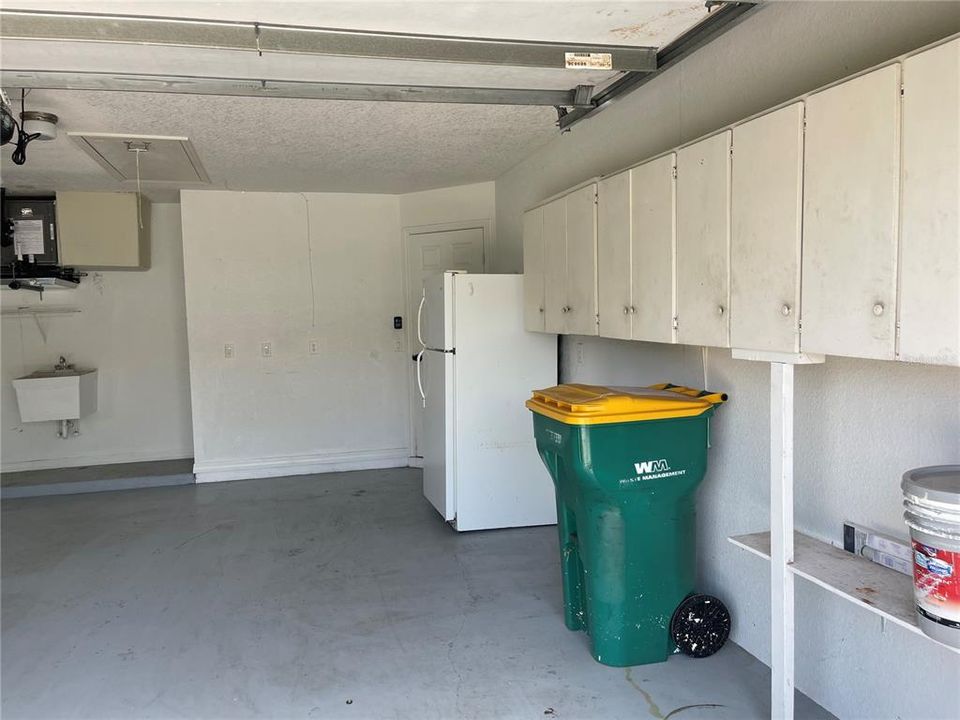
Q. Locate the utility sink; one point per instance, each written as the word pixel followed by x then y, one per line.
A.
pixel 56 395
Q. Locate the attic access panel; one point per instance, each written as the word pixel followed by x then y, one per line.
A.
pixel 165 159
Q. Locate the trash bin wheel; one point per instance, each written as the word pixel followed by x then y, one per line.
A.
pixel 700 625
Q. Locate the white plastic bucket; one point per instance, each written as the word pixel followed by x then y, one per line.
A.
pixel 931 498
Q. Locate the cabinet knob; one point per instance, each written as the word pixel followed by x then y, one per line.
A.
pixel 720 309
pixel 878 309
pixel 633 310
pixel 626 310
pixel 541 309
pixel 785 310
pixel 566 309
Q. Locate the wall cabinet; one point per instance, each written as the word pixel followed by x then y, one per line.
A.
pixel 929 218
pixel 636 245
pixel 830 225
pixel 703 242
pixel 616 304
pixel 533 271
pixel 568 230
pixel 653 223
pixel 102 230
pixel 765 224
pixel 851 179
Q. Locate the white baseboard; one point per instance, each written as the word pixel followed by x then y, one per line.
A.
pixel 249 469
pixel 95 459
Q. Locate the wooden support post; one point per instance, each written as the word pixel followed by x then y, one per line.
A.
pixel 781 540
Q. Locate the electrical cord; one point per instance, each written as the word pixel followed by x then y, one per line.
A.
pixel 19 155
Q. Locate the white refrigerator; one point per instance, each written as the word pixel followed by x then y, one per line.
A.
pixel 476 368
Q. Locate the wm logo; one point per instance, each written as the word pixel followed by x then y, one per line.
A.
pixel 651 466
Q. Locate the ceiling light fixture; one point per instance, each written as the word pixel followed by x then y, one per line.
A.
pixel 42 124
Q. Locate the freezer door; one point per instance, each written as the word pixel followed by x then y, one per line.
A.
pixel 438 487
pixel 500 480
pixel 435 316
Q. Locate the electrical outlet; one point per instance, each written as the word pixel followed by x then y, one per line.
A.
pixel 229 351
pixel 266 349
pixel 313 347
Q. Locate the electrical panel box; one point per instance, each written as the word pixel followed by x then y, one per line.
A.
pixel 29 231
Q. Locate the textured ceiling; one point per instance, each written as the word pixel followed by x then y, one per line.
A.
pixel 322 145
pixel 287 145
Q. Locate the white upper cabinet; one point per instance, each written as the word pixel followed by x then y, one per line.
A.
pixel 533 271
pixel 615 306
pixel 851 178
pixel 929 220
pixel 555 265
pixel 765 224
pixel 703 242
pixel 581 226
pixel 653 222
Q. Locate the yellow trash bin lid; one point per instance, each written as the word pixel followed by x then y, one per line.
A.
pixel 598 404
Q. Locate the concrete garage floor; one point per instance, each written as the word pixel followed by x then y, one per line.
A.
pixel 336 596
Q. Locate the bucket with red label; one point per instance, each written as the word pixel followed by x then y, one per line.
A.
pixel 931 498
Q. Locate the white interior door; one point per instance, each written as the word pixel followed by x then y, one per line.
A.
pixel 703 242
pixel 766 197
pixel 929 213
pixel 653 216
pixel 850 201
pixel 615 305
pixel 429 253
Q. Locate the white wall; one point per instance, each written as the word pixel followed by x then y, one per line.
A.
pixel 452 204
pixel 287 268
pixel 859 424
pixel 132 328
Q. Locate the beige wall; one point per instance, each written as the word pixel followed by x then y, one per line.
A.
pixel 132 328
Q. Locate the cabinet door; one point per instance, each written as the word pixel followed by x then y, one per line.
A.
pixel 929 221
pixel 703 242
pixel 581 315
pixel 615 305
pixel 850 187
pixel 533 269
pixel 766 196
pixel 555 265
pixel 653 217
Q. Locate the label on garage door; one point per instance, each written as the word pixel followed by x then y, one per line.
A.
pixel 588 60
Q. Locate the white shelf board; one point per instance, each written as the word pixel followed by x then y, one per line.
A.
pixel 32 310
pixel 874 587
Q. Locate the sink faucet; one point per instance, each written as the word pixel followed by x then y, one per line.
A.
pixel 62 365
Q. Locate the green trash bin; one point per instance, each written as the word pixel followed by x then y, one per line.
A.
pixel 626 463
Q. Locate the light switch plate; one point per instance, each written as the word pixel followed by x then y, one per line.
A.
pixel 266 349
pixel 313 347
pixel 229 352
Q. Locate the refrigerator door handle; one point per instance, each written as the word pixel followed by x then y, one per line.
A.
pixel 423 299
pixel 423 397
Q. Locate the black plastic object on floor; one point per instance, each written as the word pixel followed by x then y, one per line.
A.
pixel 700 625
